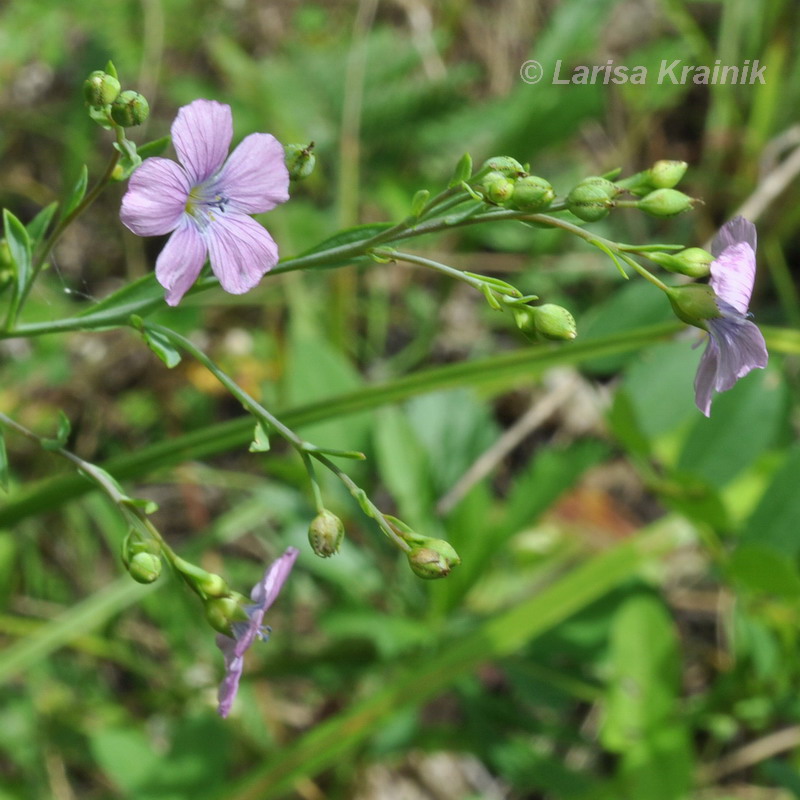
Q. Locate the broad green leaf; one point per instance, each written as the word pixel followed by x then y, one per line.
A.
pixel 774 522
pixel 763 569
pixel 125 755
pixel 260 443
pixel 4 477
pixel 743 423
pixel 78 192
pixel 37 227
pixel 20 249
pixel 154 148
pixel 403 465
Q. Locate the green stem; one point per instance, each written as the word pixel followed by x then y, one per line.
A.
pixel 645 273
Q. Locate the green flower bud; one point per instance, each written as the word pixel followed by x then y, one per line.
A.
pixel 325 534
pixel 129 109
pixel 638 184
pixel 666 174
pixel 100 89
pixel 665 203
pixel 300 161
pixel 554 322
pixel 433 559
pixel 497 187
pixel 144 567
pixel 532 194
pixel 694 303
pixel 694 261
pixel 591 201
pixel 221 611
pixel 212 585
pixel 505 165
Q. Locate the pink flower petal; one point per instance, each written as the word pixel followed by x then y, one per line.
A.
pixel 255 177
pixel 181 260
pixel 241 251
pixel 737 230
pixel 234 666
pixel 156 198
pixel 202 134
pixel 732 275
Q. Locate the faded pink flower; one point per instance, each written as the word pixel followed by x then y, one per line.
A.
pixel 205 201
pixel 245 633
pixel 735 344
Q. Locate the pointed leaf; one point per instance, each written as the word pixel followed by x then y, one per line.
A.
pixel 154 148
pixel 260 443
pixel 20 250
pixel 78 192
pixel 161 346
pixel 4 477
pixel 37 227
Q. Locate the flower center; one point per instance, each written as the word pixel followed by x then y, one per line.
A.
pixel 204 203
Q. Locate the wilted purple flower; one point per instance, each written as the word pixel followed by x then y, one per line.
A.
pixel 205 201
pixel 245 633
pixel 735 345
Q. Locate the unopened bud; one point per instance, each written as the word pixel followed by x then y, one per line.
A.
pixel 100 89
pixel 222 611
pixel 300 161
pixel 665 203
pixel 666 174
pixel 694 261
pixel 129 109
pixel 212 585
pixel 144 567
pixel 554 322
pixel 591 201
pixel 325 534
pixel 532 193
pixel 505 165
pixel 497 187
pixel 433 559
pixel 694 303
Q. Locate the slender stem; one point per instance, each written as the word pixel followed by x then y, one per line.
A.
pixel 451 272
pixel 304 449
pixel 48 245
pixel 645 273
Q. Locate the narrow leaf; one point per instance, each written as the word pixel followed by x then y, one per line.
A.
pixel 260 443
pixel 19 247
pixel 4 476
pixel 154 148
pixel 78 192
pixel 37 227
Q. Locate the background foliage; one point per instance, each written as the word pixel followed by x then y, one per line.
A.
pixel 625 620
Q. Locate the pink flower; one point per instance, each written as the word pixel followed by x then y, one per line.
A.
pixel 205 201
pixel 735 345
pixel 245 633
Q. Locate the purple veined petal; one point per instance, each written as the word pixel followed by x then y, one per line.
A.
pixel 241 251
pixel 737 230
pixel 202 134
pixel 255 178
pixel 706 376
pixel 741 349
pixel 263 596
pixel 181 260
pixel 234 666
pixel 733 273
pixel 156 198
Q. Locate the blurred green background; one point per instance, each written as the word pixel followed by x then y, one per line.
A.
pixel 625 620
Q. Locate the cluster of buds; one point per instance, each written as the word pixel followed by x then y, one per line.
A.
pixel 547 321
pixel 506 182
pixel 594 197
pixel 106 99
pixel 141 557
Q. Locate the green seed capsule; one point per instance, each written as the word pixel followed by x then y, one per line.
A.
pixel 129 109
pixel 532 193
pixel 589 201
pixel 100 89
pixel 665 203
